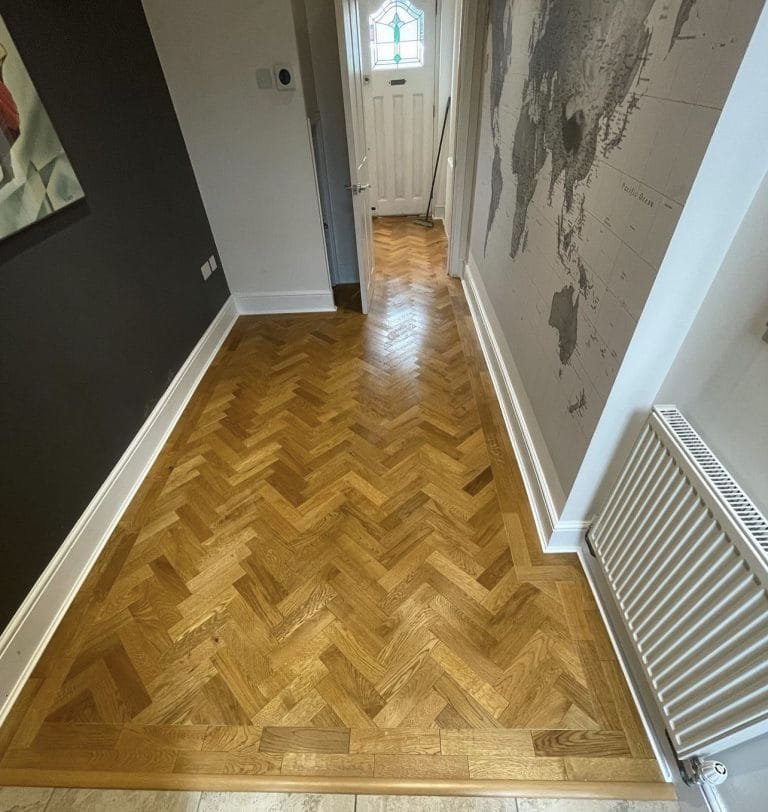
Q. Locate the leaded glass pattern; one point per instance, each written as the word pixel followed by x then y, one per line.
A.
pixel 397 35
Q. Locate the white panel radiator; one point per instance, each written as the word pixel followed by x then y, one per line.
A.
pixel 685 553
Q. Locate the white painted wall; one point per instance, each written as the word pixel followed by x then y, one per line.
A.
pixel 250 148
pixel 745 788
pixel 720 376
pixel 720 382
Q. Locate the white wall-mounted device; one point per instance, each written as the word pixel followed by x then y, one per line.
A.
pixel 285 77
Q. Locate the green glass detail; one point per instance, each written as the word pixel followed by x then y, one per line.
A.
pixel 396 23
pixel 406 30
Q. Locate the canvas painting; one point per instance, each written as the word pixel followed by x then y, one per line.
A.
pixel 37 177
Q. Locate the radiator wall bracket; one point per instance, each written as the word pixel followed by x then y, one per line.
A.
pixel 588 542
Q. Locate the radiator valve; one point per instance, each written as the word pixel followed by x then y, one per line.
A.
pixel 706 771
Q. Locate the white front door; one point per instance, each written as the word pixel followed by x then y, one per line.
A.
pixel 399 62
pixel 350 50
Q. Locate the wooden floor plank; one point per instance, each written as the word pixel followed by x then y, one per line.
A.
pixel 492 742
pixel 304 740
pixel 411 766
pixel 397 741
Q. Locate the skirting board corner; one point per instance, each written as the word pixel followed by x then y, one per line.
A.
pixel 566 536
pixel 31 628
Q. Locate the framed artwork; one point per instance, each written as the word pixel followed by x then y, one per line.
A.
pixel 37 177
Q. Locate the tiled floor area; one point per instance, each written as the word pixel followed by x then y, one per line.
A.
pixel 34 799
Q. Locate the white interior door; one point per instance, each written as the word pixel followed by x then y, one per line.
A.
pixel 347 21
pixel 399 63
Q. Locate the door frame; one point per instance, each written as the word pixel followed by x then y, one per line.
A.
pixel 470 62
pixel 367 275
pixel 317 142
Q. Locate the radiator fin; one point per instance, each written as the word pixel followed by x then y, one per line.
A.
pixel 685 552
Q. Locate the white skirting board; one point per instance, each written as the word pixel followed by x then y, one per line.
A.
pixel 33 625
pixel 307 301
pixel 541 483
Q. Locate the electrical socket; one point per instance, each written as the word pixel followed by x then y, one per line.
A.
pixel 205 269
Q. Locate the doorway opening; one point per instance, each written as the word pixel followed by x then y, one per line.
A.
pixel 408 62
pixel 378 76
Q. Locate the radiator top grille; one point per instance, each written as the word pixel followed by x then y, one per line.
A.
pixel 741 506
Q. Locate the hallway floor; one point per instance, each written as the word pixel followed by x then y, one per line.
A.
pixel 332 571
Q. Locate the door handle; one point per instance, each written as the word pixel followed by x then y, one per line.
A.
pixel 356 188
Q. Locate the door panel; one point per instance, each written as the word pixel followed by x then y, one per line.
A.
pixel 347 19
pixel 399 108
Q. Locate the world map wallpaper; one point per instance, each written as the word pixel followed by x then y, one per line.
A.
pixel 596 116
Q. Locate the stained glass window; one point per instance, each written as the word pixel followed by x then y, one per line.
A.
pixel 397 35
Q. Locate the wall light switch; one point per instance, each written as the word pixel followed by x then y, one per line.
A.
pixel 205 269
pixel 212 262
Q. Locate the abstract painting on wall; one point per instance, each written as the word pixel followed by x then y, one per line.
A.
pixel 37 177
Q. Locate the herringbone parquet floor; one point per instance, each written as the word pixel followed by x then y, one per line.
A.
pixel 332 570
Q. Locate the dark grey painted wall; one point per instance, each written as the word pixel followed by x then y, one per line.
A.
pixel 100 304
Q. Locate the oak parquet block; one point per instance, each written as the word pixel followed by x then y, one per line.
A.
pixel 52 736
pixel 607 769
pixel 213 762
pixel 397 741
pixel 493 742
pixel 473 713
pixel 332 570
pixel 127 761
pixel 177 738
pixel 427 712
pixel 415 766
pixel 304 740
pixel 403 701
pixel 517 768
pixel 358 765
pixel 600 743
